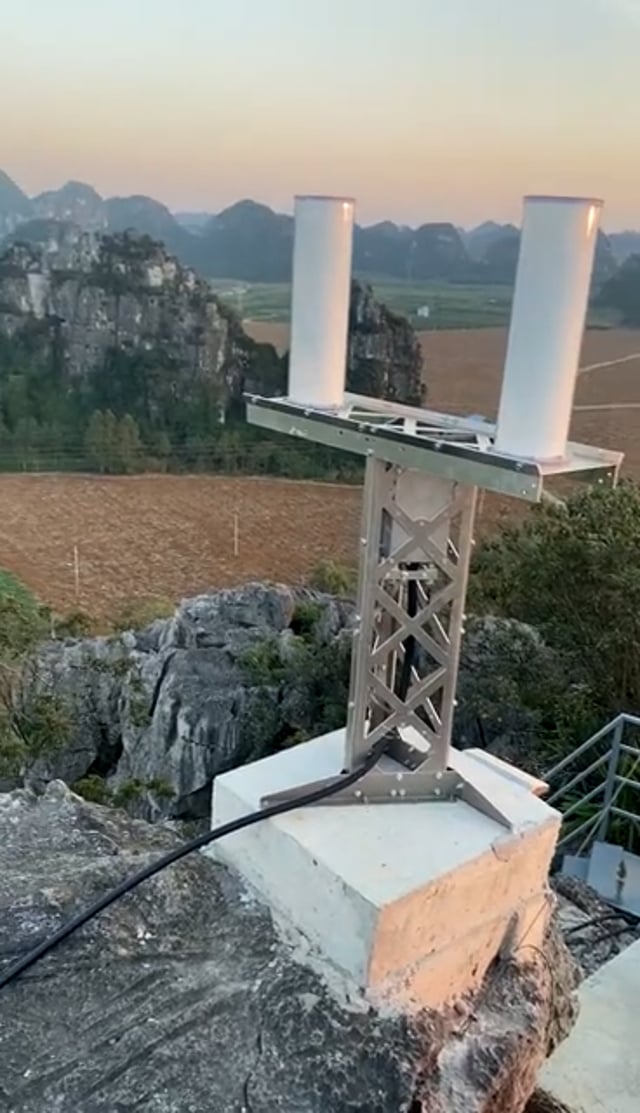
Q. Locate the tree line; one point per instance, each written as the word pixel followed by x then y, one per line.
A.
pixel 139 412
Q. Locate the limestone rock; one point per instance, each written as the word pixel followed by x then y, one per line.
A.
pixel 98 294
pixel 93 301
pixel 182 998
pixel 159 713
pixel 384 357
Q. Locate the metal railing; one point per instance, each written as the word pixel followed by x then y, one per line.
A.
pixel 601 778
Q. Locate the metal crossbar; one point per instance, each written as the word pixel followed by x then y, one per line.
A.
pixel 457 448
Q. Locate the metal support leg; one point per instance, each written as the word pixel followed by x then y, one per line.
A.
pixel 415 548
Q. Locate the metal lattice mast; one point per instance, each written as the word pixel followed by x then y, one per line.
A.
pixel 412 587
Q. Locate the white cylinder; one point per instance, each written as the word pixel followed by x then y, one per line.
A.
pixel 548 316
pixel 320 300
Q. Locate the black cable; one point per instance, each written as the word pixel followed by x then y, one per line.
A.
pixel 632 921
pixel 409 644
pixel 315 796
pixel 607 935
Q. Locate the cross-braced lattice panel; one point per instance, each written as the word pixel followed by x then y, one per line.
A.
pixel 411 606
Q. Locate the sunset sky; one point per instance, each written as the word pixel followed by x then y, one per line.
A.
pixel 421 109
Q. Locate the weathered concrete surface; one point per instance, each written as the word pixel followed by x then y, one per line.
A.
pixel 426 894
pixel 597 1068
pixel 181 998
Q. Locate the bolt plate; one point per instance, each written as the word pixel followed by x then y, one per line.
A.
pixel 381 787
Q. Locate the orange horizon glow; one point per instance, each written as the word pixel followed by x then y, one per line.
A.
pixel 432 113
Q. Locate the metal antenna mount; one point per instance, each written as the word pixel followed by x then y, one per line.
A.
pixel 423 471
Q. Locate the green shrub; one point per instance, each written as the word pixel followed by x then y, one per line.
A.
pixel 23 621
pixel 262 663
pixel 139 613
pixel 573 573
pixel 306 616
pixel 94 789
pixel 334 578
pixel 76 624
pixel 135 789
pixel 31 726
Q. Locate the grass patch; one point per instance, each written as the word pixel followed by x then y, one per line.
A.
pixel 13 588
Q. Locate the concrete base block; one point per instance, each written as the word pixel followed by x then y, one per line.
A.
pixel 410 901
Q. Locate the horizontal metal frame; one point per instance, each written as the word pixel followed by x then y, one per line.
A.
pixel 455 448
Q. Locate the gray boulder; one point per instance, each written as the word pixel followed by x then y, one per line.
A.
pixel 159 713
pixel 182 998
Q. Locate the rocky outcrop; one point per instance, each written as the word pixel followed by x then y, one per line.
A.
pixel 385 358
pixel 159 713
pixel 182 997
pixel 99 293
pixel 238 673
pixel 120 306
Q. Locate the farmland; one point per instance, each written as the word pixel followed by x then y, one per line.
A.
pixel 146 537
pixel 162 538
pixel 451 305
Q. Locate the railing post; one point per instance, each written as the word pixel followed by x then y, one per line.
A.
pixel 612 772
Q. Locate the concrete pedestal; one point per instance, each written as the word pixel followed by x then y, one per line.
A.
pixel 411 902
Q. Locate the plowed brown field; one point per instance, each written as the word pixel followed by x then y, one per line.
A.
pixel 150 537
pixel 169 536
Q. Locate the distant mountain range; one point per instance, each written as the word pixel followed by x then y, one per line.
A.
pixel 250 242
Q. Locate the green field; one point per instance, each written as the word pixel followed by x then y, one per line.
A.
pixel 451 306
